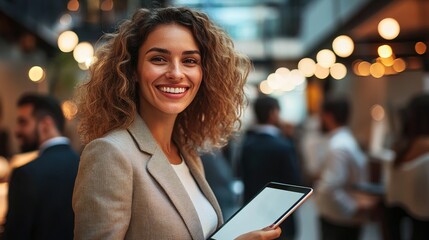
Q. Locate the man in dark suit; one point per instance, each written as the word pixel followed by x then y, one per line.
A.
pixel 40 192
pixel 268 156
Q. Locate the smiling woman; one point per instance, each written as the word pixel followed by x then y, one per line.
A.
pixel 169 72
pixel 167 85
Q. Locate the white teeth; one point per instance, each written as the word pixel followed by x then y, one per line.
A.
pixel 172 90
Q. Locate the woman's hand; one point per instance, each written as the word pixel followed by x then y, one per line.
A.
pixel 263 234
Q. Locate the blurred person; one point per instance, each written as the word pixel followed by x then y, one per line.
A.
pixel 219 175
pixel 5 149
pixel 408 176
pixel 268 156
pixel 40 192
pixel 167 85
pixel 342 209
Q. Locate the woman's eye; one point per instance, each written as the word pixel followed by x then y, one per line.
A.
pixel 158 59
pixel 190 61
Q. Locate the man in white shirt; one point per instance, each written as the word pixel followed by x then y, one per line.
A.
pixel 341 208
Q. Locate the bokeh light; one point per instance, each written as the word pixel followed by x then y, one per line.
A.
pixel 420 48
pixel 399 65
pixel 384 51
pixel 274 81
pixel 283 73
pixel 325 58
pixel 69 109
pixel 307 67
pixel 388 28
pixel 297 77
pixel 377 112
pixel 106 5
pixel 36 74
pixel 83 51
pixel 338 71
pixel 321 72
pixel 363 68
pixel 388 62
pixel 265 88
pixel 73 5
pixel 377 70
pixel 343 46
pixel 67 41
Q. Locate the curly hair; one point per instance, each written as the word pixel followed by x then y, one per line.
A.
pixel 109 100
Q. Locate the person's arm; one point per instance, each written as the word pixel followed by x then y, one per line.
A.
pixel 102 195
pixel 21 200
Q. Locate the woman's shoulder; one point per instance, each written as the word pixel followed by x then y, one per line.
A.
pixel 116 136
pixel 115 139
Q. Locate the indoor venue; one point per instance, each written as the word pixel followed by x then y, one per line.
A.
pixel 303 53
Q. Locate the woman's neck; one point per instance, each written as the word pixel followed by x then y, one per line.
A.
pixel 161 128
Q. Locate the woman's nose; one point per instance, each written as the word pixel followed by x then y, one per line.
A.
pixel 175 72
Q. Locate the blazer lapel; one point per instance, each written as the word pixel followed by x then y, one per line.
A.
pixel 161 170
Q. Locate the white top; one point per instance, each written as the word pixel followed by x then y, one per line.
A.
pixel 408 184
pixel 205 210
pixel 345 166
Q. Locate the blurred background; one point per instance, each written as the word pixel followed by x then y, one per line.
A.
pixel 373 51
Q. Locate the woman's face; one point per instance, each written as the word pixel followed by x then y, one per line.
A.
pixel 169 70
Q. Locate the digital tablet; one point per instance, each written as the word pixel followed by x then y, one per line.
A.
pixel 272 205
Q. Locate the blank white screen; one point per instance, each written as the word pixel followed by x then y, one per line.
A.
pixel 261 212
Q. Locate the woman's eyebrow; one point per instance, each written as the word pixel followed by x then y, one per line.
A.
pixel 190 52
pixel 163 50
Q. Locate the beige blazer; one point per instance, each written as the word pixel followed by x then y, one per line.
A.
pixel 127 189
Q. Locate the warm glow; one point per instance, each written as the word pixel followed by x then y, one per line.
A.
pixel 321 72
pixel 73 5
pixel 283 73
pixel 388 62
pixel 384 51
pixel 377 112
pixel 89 61
pixel 67 41
pixel 274 81
pixel 283 76
pixel 307 67
pixel 36 74
pixel 355 66
pixel 265 88
pixel 377 70
pixel 325 58
pixel 83 51
pixel 288 85
pixel 338 71
pixel 420 48
pixel 69 109
pixel 363 68
pixel 106 5
pixel 388 28
pixel 399 65
pixel 297 77
pixel 343 46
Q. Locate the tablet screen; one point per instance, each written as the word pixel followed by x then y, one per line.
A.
pixel 266 208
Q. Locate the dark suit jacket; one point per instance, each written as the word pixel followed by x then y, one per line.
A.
pixel 267 158
pixel 40 195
